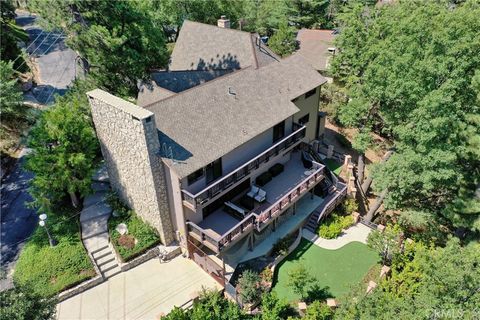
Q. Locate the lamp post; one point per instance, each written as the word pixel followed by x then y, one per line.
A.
pixel 42 223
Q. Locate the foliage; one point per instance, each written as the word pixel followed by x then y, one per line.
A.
pixel 120 39
pixel 11 34
pixel 283 41
pixel 280 247
pixel 350 205
pixel 333 226
pixel 211 305
pixel 318 311
pixel 362 141
pixel 249 287
pixel 11 98
pixel 427 283
pixel 116 204
pixel 333 97
pixel 274 308
pixel 64 150
pixel 413 80
pixel 146 236
pixel 421 226
pixel 46 270
pixel 299 280
pixel 388 243
pixel 22 303
pixel 267 275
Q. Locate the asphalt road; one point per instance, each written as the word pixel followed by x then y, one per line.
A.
pixel 17 221
pixel 55 61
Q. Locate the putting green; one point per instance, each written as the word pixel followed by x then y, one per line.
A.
pixel 336 270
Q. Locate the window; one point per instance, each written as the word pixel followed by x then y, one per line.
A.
pixel 303 120
pixel 195 176
pixel 279 131
pixel 213 170
pixel 310 93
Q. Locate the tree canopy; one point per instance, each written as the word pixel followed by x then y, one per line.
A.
pixel 412 73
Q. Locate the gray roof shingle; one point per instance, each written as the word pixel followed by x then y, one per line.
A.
pixel 204 123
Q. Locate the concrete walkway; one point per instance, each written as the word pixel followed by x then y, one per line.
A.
pixel 357 232
pixel 94 224
pixel 143 292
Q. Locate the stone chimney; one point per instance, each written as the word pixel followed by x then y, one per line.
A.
pixel 223 22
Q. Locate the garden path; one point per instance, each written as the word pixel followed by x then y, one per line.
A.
pixel 357 232
pixel 94 225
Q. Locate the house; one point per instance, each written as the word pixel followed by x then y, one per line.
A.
pixel 218 154
pixel 317 47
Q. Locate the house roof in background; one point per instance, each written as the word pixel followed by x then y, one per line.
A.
pixel 203 123
pixel 314 46
pixel 206 47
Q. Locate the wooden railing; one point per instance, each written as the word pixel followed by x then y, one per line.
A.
pixel 335 199
pixel 258 221
pixel 244 170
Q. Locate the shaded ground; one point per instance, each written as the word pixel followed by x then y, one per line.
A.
pixel 17 221
pixel 335 270
pixel 334 166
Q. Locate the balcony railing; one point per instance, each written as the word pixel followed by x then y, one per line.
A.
pixel 258 221
pixel 244 170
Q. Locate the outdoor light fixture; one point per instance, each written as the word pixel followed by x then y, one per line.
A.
pixel 42 223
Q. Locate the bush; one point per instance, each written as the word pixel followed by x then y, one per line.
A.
pixel 281 246
pixel 48 271
pixel 139 239
pixel 22 303
pixel 276 169
pixel 263 179
pixel 350 206
pixel 248 286
pixel 333 226
pixel 116 204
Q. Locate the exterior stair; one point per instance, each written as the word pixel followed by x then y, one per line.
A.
pixel 106 261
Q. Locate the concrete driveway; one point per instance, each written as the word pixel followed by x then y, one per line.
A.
pixel 143 292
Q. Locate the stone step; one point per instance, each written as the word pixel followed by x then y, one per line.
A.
pixel 100 251
pixel 94 211
pixel 101 175
pixel 103 260
pixel 108 266
pixel 110 273
pixel 96 243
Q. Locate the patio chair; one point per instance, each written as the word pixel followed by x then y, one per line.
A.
pixel 253 192
pixel 261 196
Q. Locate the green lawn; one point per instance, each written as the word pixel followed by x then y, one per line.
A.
pixel 50 270
pixel 333 165
pixel 335 270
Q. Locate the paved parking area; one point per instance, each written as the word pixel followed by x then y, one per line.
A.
pixel 143 292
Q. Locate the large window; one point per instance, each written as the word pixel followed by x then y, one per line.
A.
pixel 213 170
pixel 310 93
pixel 279 131
pixel 195 176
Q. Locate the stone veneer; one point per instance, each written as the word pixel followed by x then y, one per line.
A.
pixel 129 142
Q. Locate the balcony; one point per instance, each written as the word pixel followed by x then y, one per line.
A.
pixel 220 229
pixel 241 173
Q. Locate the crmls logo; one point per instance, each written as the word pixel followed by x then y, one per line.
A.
pixel 435 314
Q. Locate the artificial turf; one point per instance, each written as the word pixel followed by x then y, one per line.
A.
pixel 333 165
pixel 335 270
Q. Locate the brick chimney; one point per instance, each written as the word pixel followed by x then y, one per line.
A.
pixel 223 22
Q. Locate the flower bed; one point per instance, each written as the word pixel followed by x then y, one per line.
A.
pixel 139 238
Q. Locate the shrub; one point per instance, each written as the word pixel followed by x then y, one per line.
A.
pixel 350 206
pixel 248 286
pixel 145 236
pixel 281 246
pixel 116 204
pixel 23 303
pixel 333 226
pixel 263 179
pixel 267 275
pixel 318 311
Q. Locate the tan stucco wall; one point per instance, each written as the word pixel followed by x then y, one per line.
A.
pixel 129 141
pixel 310 106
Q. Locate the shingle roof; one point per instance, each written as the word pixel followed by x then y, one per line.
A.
pixel 314 46
pixel 205 47
pixel 167 83
pixel 205 122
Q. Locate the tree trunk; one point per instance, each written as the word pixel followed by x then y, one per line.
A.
pixel 376 206
pixel 75 199
pixel 368 181
pixel 360 169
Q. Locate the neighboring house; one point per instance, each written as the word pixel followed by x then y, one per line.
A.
pixel 317 47
pixel 189 157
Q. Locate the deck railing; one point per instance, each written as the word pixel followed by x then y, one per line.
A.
pixel 244 170
pixel 335 199
pixel 254 220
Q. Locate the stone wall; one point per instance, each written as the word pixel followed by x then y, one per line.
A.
pixel 129 142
